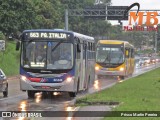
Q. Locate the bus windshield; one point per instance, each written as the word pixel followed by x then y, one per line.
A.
pixel 110 54
pixel 47 55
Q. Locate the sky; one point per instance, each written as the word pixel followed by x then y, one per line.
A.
pixel 144 4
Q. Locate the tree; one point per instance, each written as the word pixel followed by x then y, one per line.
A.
pixel 16 15
pixel 48 14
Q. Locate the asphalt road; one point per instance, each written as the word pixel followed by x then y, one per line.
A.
pixel 18 100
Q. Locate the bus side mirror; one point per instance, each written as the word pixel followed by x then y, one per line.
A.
pixel 126 53
pixel 78 48
pixel 17 46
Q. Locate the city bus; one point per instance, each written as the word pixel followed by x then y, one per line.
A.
pixel 114 58
pixel 55 60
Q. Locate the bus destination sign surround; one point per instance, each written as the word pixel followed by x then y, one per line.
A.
pixel 47 35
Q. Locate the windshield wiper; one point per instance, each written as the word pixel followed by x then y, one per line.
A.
pixel 56 46
pixel 107 59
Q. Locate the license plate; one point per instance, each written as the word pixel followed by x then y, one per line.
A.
pixel 109 73
pixel 45 87
pixel 104 68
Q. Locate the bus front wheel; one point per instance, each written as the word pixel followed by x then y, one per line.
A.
pixel 30 93
pixel 72 94
pixel 122 77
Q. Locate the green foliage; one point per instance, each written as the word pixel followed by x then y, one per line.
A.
pixel 136 94
pixel 15 15
pixel 18 15
pixel 2 36
pixel 48 15
pixel 9 59
pixel 145 51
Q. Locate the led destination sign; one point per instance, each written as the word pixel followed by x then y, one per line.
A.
pixel 47 35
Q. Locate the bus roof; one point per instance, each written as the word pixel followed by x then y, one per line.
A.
pixel 114 42
pixel 111 41
pixel 75 34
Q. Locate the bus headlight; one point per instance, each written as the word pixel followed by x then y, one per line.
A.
pixel 96 68
pixel 69 79
pixel 24 78
pixel 121 69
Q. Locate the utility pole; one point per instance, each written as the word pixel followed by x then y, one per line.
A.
pixel 66 19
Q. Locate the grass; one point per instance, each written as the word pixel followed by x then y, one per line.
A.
pixel 136 94
pixel 9 59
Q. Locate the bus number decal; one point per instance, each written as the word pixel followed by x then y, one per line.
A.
pixel 48 35
pixel 34 35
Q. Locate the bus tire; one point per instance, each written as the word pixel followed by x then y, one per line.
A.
pixel 122 77
pixel 46 94
pixel 30 93
pixel 72 94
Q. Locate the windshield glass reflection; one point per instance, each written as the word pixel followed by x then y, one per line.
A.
pixel 113 55
pixel 47 55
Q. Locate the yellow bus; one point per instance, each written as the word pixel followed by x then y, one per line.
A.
pixel 114 58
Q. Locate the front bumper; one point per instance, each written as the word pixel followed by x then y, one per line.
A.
pixel 64 86
pixel 110 73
